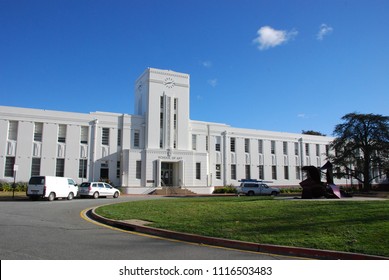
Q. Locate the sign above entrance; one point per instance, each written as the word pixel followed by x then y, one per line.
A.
pixel 172 158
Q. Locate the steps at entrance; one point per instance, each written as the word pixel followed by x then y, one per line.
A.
pixel 173 191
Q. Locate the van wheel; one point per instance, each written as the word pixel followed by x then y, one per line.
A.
pixel 116 195
pixel 70 196
pixel 96 195
pixel 250 193
pixel 51 196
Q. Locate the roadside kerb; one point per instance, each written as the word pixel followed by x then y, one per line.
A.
pixel 233 244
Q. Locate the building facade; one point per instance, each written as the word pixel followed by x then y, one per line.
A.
pixel 159 146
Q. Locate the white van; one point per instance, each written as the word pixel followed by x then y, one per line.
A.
pixel 51 187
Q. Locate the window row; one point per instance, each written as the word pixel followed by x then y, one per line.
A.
pixel 60 168
pixel 38 132
pixel 261 172
pixel 62 134
pixel 285 146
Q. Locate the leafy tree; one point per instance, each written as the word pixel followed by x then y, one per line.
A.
pixel 361 147
pixel 312 132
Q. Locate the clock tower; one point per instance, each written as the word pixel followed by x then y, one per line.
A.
pixel 162 98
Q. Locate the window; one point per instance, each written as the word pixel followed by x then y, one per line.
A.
pixel 232 145
pixel 82 168
pixel 285 147
pixel 317 150
pixel 84 134
pixel 35 166
pixel 307 149
pixel 104 170
pixel 274 172
pixel 60 167
pixel 198 170
pixel 38 131
pixel 261 172
pixel 61 133
pixel 273 147
pixel 161 120
pixel 233 171
pixel 217 145
pixel 136 138
pixel 247 145
pixel 118 168
pixel 105 136
pixel 296 149
pixel 260 146
pixel 247 171
pixel 218 172
pixel 9 167
pixel 194 142
pixel 206 143
pixel 119 137
pixel 327 150
pixel 298 172
pixel 138 169
pixel 13 131
pixel 286 172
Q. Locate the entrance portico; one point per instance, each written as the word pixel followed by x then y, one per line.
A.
pixel 170 173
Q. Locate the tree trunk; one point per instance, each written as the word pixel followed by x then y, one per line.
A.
pixel 366 176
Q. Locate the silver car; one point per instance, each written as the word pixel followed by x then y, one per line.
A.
pixel 97 189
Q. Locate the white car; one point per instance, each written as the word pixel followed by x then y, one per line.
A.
pixel 97 189
pixel 256 187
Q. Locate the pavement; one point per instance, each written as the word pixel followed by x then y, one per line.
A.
pixel 144 228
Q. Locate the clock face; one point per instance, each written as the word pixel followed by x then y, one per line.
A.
pixel 169 83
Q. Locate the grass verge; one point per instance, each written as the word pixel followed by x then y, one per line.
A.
pixel 350 226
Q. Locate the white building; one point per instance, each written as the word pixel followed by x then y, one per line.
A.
pixel 157 146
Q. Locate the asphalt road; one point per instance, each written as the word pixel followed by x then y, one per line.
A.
pixel 33 230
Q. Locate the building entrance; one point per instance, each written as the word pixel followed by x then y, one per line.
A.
pixel 167 172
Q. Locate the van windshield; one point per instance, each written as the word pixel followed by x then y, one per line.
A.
pixel 40 180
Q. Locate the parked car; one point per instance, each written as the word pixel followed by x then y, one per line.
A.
pixel 255 187
pixel 51 187
pixel 97 189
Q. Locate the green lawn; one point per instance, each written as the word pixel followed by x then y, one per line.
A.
pixel 352 226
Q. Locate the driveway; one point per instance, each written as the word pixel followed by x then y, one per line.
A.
pixel 56 230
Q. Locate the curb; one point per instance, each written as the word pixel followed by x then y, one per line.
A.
pixel 234 244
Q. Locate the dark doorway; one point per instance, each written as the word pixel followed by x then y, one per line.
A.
pixel 167 174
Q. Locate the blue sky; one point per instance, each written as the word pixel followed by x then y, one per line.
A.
pixel 262 64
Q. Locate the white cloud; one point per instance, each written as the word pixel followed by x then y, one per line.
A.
pixel 213 82
pixel 323 31
pixel 206 64
pixel 269 37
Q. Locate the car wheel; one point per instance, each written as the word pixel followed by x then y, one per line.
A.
pixel 96 195
pixel 116 195
pixel 274 193
pixel 70 196
pixel 51 196
pixel 250 193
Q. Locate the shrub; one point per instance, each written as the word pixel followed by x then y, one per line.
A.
pixel 225 189
pixel 7 187
pixel 291 190
pixel 21 187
